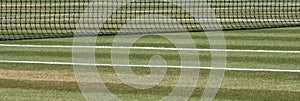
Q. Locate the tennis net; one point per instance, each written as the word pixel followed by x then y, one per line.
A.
pixel 32 19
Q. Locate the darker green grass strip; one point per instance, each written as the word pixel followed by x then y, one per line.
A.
pixel 237 94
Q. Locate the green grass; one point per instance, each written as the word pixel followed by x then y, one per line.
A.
pixel 236 85
pixel 57 82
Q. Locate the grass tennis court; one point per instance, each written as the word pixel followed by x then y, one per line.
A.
pixel 57 82
pixel 262 64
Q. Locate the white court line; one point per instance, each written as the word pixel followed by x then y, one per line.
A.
pixel 149 48
pixel 155 66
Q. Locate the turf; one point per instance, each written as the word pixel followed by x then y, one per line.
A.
pixel 56 82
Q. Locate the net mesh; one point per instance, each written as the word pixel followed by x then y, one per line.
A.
pixel 31 19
